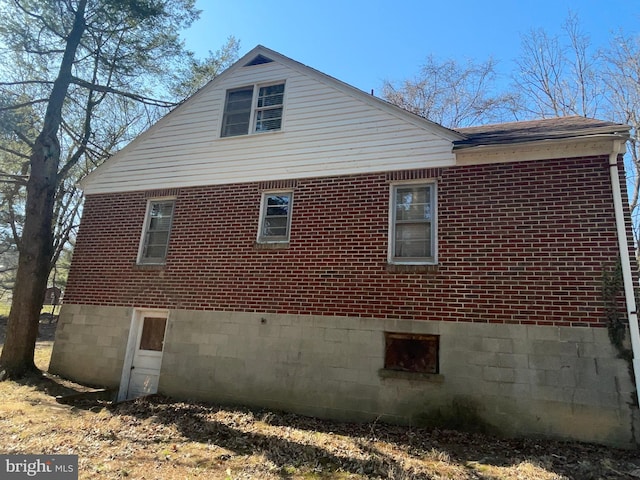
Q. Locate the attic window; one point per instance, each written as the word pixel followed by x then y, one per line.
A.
pixel 253 109
pixel 258 60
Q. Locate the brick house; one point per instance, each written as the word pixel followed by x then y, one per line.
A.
pixel 284 240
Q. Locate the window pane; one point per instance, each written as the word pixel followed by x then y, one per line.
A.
pixel 234 119
pixel 413 240
pixel 269 120
pixel 277 211
pixel 160 223
pixel 275 221
pixel 413 203
pixel 233 130
pixel 239 100
pixel 416 194
pixel 271 95
pixel 269 108
pixel 237 112
pixel 155 252
pixel 413 215
pixel 152 335
pixel 156 238
pixel 271 114
pixel 278 200
pixel 275 227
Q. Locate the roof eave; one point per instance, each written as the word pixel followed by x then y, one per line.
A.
pixel 566 147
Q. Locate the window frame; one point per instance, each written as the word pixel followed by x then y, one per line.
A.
pixel 255 109
pixel 261 238
pixel 391 257
pixel 141 260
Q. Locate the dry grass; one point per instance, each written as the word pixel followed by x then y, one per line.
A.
pixel 164 439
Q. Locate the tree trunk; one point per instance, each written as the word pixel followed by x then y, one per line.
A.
pixel 33 268
pixel 36 245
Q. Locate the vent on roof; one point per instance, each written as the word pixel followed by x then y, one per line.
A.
pixel 259 60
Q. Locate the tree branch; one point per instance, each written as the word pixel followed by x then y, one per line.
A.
pixel 39 18
pixel 16 177
pixel 13 152
pixel 139 98
pixel 28 82
pixel 24 104
pixel 23 138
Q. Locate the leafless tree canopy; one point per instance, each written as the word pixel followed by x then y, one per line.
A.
pixel 452 94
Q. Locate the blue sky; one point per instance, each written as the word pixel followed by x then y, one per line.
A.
pixel 363 43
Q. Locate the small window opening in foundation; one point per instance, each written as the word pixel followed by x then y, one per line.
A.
pixel 152 335
pixel 409 352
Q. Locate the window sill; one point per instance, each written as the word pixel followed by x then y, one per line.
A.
pixel 149 266
pixel 417 376
pixel 271 245
pixel 412 268
pixel 251 134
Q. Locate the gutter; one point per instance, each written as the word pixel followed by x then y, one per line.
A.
pixel 629 293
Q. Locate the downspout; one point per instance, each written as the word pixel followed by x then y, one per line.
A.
pixel 629 291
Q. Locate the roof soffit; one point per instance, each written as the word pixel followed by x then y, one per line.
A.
pixel 588 145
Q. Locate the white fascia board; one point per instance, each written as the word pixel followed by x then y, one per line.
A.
pixel 582 146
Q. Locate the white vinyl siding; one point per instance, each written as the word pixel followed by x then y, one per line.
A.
pixel 157 229
pixel 413 223
pixel 275 217
pixel 329 132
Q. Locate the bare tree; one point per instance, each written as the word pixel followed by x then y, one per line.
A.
pixel 621 77
pixel 558 75
pixel 452 94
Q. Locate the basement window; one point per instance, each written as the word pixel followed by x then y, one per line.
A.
pixel 409 352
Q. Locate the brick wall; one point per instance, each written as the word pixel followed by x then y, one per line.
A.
pixel 518 243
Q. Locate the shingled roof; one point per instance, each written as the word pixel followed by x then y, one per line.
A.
pixel 536 130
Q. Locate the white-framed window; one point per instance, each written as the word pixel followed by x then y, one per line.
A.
pixel 412 223
pixel 156 231
pixel 275 216
pixel 253 109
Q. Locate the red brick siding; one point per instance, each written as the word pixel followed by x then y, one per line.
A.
pixel 518 243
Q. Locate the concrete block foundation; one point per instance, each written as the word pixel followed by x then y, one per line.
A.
pixel 561 382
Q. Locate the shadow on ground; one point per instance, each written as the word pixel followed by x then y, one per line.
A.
pixel 240 433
